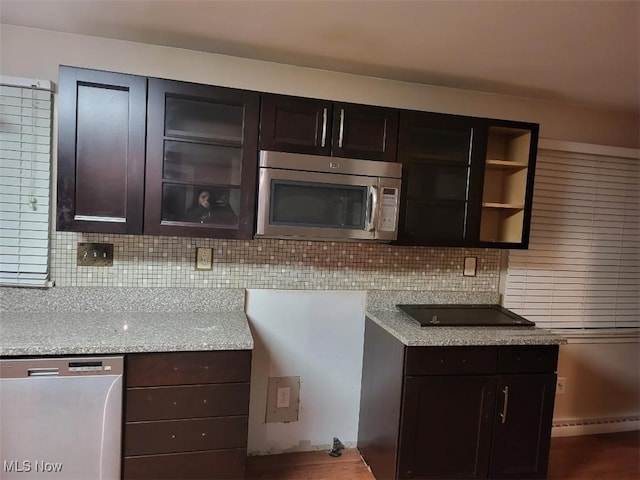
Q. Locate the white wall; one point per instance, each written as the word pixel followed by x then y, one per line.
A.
pixel 602 379
pixel 33 53
pixel 319 337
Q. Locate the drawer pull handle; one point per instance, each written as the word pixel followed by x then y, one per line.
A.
pixel 503 415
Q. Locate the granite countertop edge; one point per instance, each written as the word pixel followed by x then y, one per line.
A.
pixel 115 350
pixel 399 325
pixel 111 333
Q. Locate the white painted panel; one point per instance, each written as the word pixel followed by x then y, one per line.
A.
pixel 318 336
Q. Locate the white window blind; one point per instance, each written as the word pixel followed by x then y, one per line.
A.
pixel 25 159
pixel 582 268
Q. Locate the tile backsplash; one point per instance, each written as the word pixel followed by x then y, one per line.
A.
pixel 146 261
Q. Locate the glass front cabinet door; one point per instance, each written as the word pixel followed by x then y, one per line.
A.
pixel 201 160
pixel 441 174
pixel 467 182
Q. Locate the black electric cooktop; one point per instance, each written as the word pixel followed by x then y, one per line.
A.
pixel 464 316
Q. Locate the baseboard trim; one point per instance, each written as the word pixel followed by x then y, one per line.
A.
pixel 593 426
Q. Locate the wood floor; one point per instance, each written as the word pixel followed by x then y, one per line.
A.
pixel 596 457
pixel 613 456
pixel 309 466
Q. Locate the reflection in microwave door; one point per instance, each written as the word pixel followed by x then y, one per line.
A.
pixel 300 208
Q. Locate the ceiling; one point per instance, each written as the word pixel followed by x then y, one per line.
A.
pixel 580 51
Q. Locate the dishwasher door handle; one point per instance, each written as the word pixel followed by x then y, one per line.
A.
pixel 43 372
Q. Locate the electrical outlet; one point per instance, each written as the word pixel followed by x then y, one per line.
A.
pixel 560 385
pixel 204 258
pixel 95 255
pixel 283 399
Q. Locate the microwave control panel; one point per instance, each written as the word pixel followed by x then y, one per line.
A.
pixel 388 209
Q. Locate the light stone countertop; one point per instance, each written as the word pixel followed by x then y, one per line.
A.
pixel 27 333
pixel 91 321
pixel 398 324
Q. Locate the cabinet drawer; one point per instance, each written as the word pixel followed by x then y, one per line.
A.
pixel 450 360
pixel 528 359
pixel 187 368
pixel 164 403
pixel 171 436
pixel 219 464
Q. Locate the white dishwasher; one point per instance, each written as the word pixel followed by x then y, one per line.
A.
pixel 61 418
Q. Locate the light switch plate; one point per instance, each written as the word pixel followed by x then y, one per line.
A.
pixel 470 266
pixel 95 255
pixel 204 258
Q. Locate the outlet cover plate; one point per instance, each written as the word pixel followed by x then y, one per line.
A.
pixel 204 258
pixel 284 414
pixel 95 255
pixel 470 266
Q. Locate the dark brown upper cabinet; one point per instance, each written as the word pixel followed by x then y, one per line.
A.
pixel 441 179
pixel 101 151
pixel 507 192
pixel 153 156
pixel 162 157
pixel 201 160
pixel 322 127
pixel 467 182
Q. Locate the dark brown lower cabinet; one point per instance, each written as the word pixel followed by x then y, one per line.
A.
pixel 186 415
pixel 520 444
pixel 220 464
pixel 455 412
pixel 461 408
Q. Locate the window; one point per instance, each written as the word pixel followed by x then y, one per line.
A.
pixel 582 268
pixel 25 159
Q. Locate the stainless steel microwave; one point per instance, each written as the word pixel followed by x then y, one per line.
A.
pixel 317 197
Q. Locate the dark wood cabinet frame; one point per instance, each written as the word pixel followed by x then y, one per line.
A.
pixel 323 127
pixel 437 412
pixel 158 91
pixel 110 155
pixel 186 415
pixel 101 165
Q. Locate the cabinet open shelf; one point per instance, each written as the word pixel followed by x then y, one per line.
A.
pixel 505 184
pixel 511 206
pixel 506 164
pixel 501 225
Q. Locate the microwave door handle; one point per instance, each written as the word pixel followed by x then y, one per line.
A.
pixel 324 127
pixel 372 208
pixel 341 135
